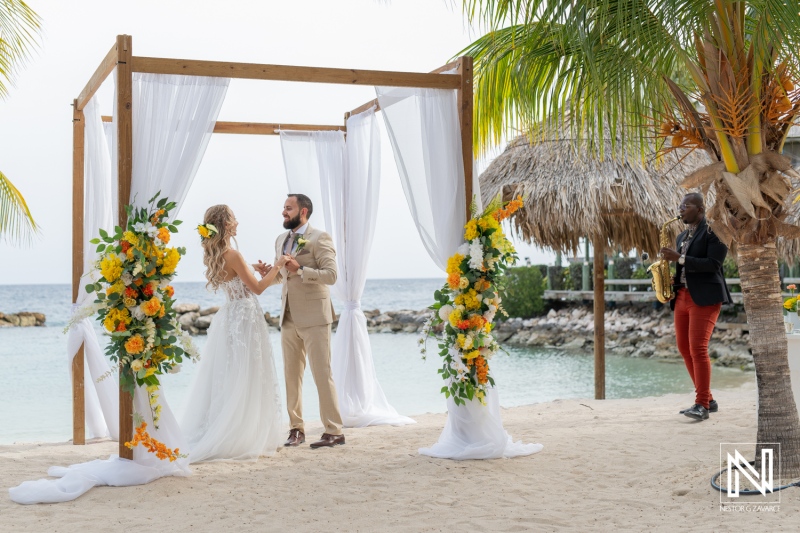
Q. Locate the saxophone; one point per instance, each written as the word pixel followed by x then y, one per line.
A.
pixel 662 278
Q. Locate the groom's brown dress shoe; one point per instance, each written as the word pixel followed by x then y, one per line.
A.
pixel 328 440
pixel 296 438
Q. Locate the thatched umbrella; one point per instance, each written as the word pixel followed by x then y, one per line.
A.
pixel 572 191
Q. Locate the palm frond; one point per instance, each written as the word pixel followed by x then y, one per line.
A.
pixel 19 31
pixel 16 222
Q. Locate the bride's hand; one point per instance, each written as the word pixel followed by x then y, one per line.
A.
pixel 282 260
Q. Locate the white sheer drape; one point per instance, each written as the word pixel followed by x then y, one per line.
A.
pixel 100 398
pixel 304 169
pixel 173 120
pixel 424 129
pixel 346 177
pixel 425 134
pixel 353 205
pixel 173 117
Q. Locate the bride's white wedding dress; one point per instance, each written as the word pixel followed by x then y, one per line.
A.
pixel 234 409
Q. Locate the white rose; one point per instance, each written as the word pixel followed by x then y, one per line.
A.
pixel 127 279
pixel 137 365
pixel 444 312
pixel 175 369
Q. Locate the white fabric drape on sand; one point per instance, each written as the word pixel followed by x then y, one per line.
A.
pixel 346 177
pixel 173 117
pixel 424 129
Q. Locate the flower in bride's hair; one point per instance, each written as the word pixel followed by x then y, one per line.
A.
pixel 203 231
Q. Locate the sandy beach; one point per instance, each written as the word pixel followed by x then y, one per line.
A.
pixel 630 465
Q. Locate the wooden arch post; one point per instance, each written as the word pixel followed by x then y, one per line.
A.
pixel 125 166
pixel 78 138
pixel 465 106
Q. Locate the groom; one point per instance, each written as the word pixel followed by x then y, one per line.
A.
pixel 306 316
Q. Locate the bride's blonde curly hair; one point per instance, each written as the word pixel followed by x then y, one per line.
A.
pixel 213 247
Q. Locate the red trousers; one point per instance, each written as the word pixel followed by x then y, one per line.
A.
pixel 693 327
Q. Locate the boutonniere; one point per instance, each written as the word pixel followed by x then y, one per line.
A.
pixel 301 242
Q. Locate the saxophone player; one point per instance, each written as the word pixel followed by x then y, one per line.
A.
pixel 700 291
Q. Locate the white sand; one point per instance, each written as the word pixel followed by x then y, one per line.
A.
pixel 631 465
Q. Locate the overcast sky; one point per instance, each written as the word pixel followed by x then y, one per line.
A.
pixel 246 172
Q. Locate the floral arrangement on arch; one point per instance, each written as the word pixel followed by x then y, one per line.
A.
pixel 465 307
pixel 134 299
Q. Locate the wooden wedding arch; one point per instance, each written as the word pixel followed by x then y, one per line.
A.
pixel 121 57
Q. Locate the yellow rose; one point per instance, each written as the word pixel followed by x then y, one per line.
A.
pixel 130 237
pixel 111 268
pixel 471 230
pixel 463 283
pixel 454 264
pixel 171 258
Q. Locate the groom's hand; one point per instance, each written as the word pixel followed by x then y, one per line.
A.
pixel 292 265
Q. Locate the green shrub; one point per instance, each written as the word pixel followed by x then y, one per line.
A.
pixel 576 276
pixel 524 291
pixel 624 267
pixel 556 278
pixel 731 270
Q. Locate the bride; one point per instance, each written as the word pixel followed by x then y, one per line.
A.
pixel 234 407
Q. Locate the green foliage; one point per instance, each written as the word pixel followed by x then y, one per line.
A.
pixel 575 277
pixel 524 291
pixel 731 270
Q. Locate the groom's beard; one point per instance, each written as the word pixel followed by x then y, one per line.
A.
pixel 292 223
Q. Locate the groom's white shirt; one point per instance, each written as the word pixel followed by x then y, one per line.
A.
pixel 291 242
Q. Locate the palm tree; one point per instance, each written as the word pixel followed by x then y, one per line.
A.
pixel 19 27
pixel 635 68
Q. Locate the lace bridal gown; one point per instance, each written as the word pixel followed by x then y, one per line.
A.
pixel 234 406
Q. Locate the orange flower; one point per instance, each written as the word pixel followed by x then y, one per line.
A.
pixel 169 291
pixel 163 235
pixel 463 324
pixel 453 280
pixel 125 246
pixel 156 216
pixel 153 446
pixel 476 322
pixel 130 292
pixel 482 284
pixel 121 326
pixel 481 370
pixel 134 345
pixel 510 208
pixel 138 282
pixel 151 307
pixel 162 312
pixel 148 290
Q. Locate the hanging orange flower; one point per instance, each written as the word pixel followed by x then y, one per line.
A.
pixel 134 345
pixel 481 370
pixel 153 446
pixel 169 291
pixel 163 235
pixel 151 307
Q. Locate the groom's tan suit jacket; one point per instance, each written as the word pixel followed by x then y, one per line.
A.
pixel 308 294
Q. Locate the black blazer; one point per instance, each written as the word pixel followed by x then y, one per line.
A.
pixel 704 277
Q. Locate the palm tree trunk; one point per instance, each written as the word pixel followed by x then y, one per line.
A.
pixel 777 412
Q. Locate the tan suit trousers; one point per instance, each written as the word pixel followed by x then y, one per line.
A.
pixel 314 342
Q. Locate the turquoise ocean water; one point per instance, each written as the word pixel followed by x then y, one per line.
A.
pixel 37 398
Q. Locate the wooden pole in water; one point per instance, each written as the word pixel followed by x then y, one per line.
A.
pixel 125 166
pixel 78 139
pixel 599 319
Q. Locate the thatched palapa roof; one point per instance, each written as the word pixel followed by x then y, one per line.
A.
pixel 571 192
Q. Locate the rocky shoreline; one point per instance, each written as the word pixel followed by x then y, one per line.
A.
pixel 632 330
pixel 23 319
